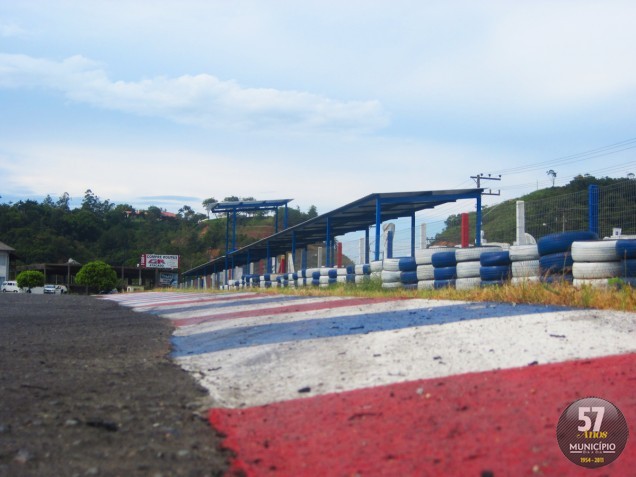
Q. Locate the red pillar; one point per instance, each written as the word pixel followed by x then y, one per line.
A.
pixel 465 230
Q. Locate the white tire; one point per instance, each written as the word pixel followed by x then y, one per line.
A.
pixel 423 256
pixel 426 284
pixel 362 278
pixel 467 283
pixel 425 272
pixel 593 282
pixel 519 253
pixel 390 276
pixel 468 269
pixel 376 275
pixel 522 280
pixel 596 251
pixel 376 266
pixel 392 285
pixel 526 268
pixel 472 254
pixel 591 270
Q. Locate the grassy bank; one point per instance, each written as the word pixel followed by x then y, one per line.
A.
pixel 621 298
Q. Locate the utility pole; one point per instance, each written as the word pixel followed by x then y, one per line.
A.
pixel 481 177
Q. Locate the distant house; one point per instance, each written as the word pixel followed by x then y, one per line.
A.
pixel 6 266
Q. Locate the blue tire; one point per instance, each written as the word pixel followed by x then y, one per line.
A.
pixel 495 273
pixel 556 263
pixel 315 281
pixel 315 275
pixel 491 283
pixel 628 268
pixel 564 278
pixel 562 242
pixel 444 273
pixel 443 259
pixel 493 259
pixel 332 273
pixel 408 278
pixel 351 277
pixel 626 248
pixel 444 284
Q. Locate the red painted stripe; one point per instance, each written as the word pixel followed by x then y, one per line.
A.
pixel 201 300
pixel 504 421
pixel 292 308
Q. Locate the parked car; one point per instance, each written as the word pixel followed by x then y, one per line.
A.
pixel 49 289
pixel 61 289
pixel 10 286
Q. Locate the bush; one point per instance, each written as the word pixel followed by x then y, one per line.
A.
pixel 30 279
pixel 98 275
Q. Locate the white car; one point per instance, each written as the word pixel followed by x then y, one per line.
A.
pixel 10 286
pixel 49 289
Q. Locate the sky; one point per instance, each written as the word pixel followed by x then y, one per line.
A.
pixel 168 103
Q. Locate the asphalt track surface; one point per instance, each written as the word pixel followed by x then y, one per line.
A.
pixel 301 386
pixel 350 386
pixel 87 388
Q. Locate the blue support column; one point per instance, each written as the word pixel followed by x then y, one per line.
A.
pixel 303 259
pixel 285 217
pixel 293 250
pixel 478 222
pixel 413 234
pixel 389 244
pixel 592 208
pixel 276 221
pixel 234 229
pixel 366 245
pixel 378 224
pixel 328 243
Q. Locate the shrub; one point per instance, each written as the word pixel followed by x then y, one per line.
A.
pixel 30 279
pixel 98 275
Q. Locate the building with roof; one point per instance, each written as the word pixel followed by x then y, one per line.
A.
pixel 7 262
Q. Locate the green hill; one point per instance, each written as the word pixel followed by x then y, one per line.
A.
pixel 554 209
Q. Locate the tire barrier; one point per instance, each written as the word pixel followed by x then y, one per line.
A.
pixel 525 263
pixel 443 259
pixel 472 254
pixel 495 267
pixel 597 251
pixel 437 284
pixel 626 249
pixel 444 273
pixel 467 283
pixel 399 273
pixel 556 263
pixel 468 269
pixel 562 242
pixel 425 269
pixel 595 262
pixel 628 268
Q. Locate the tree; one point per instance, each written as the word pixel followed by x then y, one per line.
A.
pixel 98 275
pixel 552 173
pixel 30 279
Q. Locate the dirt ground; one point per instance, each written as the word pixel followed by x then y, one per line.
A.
pixel 87 389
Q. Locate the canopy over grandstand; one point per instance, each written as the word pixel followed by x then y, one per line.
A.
pixel 371 210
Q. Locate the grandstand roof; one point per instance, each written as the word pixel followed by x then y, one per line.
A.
pixel 358 215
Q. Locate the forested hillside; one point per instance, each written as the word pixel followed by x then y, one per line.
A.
pixel 555 209
pixel 51 232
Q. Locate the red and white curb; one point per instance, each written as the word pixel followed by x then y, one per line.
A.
pixel 359 386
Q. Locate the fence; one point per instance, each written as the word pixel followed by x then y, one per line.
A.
pixel 571 211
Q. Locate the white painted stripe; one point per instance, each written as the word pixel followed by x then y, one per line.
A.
pixel 268 357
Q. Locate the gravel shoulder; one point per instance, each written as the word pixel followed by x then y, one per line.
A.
pixel 87 388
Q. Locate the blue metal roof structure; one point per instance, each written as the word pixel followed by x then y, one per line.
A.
pixel 371 210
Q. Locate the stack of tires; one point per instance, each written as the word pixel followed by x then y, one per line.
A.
pixel 399 273
pixel 555 257
pixel 468 266
pixel 345 274
pixel 362 273
pixel 376 269
pixel 595 262
pixel 444 269
pixel 328 276
pixel 425 270
pixel 495 268
pixel 626 251
pixel 525 263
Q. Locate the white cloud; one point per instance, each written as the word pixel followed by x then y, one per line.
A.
pixel 201 99
pixel 10 30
